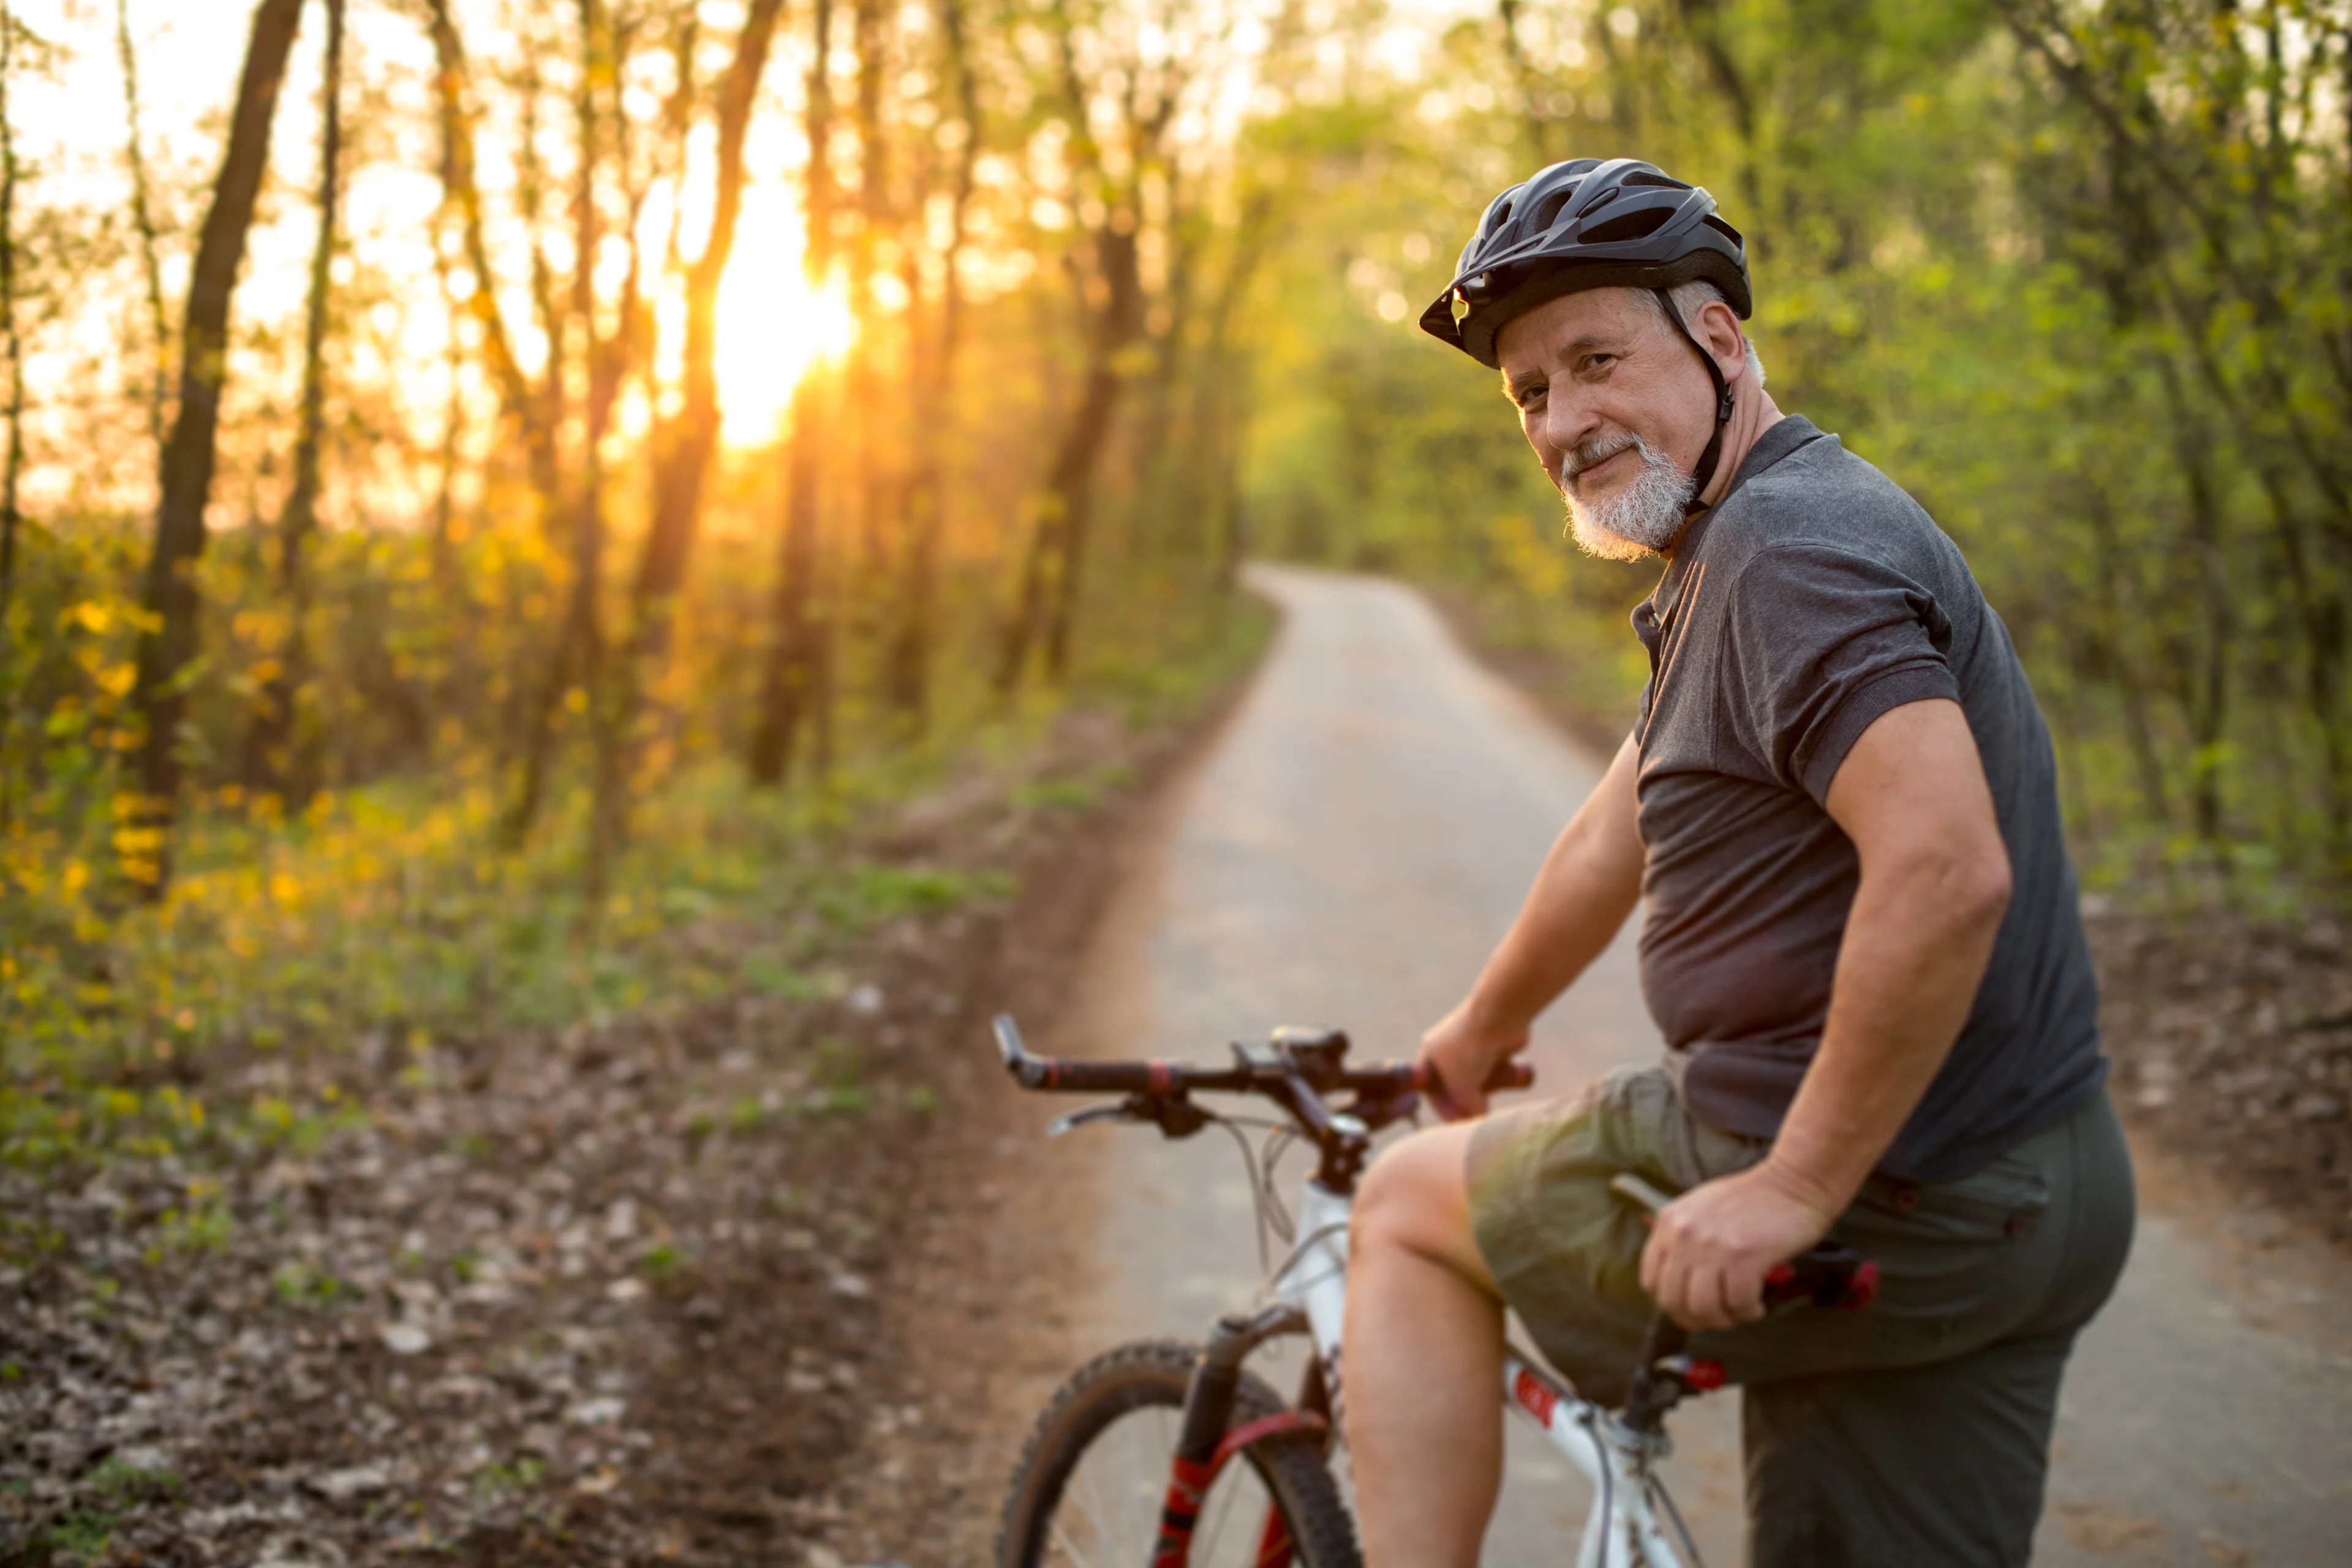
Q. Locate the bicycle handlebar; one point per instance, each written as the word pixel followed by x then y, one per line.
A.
pixel 1067 1074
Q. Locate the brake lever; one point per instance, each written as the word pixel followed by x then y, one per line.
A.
pixel 1173 1114
pixel 1077 1119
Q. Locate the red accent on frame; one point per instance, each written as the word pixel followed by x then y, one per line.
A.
pixel 1160 1076
pixel 1535 1395
pixel 1188 1483
pixel 1265 1426
pixel 1704 1376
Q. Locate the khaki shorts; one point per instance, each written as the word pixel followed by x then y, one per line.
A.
pixel 1916 1431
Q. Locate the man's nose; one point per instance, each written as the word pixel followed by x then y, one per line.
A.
pixel 1567 426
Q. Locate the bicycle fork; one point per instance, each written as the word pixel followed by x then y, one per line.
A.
pixel 1208 1440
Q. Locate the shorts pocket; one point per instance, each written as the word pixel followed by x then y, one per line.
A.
pixel 2002 1202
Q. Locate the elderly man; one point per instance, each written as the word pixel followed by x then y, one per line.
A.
pixel 1860 940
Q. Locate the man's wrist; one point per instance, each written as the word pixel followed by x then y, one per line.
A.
pixel 1824 1197
pixel 1488 1017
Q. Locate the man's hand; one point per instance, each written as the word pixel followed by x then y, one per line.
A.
pixel 1464 1051
pixel 1711 1247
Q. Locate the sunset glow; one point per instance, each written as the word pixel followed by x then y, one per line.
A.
pixel 773 327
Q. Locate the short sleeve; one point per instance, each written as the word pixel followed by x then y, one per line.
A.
pixel 1820 641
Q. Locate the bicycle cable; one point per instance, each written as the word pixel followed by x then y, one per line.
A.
pixel 1296 1253
pixel 1662 1499
pixel 1279 1141
pixel 1608 1486
pixel 1232 1125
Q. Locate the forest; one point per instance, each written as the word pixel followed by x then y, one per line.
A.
pixel 588 586
pixel 483 482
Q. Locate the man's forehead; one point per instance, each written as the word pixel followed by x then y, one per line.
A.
pixel 1562 327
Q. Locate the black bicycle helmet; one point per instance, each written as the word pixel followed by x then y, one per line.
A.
pixel 1587 223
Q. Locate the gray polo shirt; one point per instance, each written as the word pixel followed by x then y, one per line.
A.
pixel 1813 598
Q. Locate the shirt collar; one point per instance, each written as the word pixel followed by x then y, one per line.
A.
pixel 1785 436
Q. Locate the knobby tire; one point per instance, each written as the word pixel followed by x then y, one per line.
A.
pixel 1156 1373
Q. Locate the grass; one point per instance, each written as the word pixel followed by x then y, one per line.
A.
pixel 302 1284
pixel 77 1536
pixel 121 1484
pixel 390 915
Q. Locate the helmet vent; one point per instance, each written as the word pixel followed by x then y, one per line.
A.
pixel 1723 228
pixel 1640 178
pixel 1634 224
pixel 1548 211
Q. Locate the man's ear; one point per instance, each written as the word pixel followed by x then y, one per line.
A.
pixel 1718 329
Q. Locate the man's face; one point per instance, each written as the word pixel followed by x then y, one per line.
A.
pixel 1618 409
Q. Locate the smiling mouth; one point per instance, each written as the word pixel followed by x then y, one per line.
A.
pixel 1577 476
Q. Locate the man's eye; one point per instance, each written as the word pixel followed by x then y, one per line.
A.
pixel 1598 362
pixel 1532 395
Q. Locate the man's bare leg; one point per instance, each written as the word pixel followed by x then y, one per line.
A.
pixel 1423 1360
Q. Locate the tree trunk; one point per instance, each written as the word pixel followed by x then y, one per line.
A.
pixel 536 412
pixel 12 465
pixel 167 649
pixel 908 666
pixel 2206 688
pixel 459 188
pixel 142 221
pixel 270 765
pixel 683 451
pixel 1046 610
pixel 797 632
pixel 871 551
pixel 1533 119
pixel 1051 579
pixel 2122 667
pixel 789 687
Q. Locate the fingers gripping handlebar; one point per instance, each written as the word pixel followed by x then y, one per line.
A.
pixel 1825 1274
pixel 1506 1074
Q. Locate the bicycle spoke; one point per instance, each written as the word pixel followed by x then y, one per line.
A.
pixel 1062 1540
pixel 1103 1536
pixel 1112 1499
pixel 1228 1488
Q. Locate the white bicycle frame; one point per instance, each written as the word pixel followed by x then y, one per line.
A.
pixel 1623 1531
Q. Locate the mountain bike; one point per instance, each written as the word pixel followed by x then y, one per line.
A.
pixel 1171 1453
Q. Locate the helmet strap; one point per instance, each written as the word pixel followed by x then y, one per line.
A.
pixel 1702 476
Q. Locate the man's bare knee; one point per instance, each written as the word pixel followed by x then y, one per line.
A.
pixel 1416 1198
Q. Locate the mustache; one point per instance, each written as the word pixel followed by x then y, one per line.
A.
pixel 1593 453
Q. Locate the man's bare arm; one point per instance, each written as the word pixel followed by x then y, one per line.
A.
pixel 1934 886
pixel 1588 884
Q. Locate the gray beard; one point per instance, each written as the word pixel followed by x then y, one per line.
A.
pixel 1641 519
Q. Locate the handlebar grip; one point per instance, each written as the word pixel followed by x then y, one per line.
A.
pixel 1506 1074
pixel 1824 1274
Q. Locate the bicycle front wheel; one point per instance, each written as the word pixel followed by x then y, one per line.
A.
pixel 1092 1478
